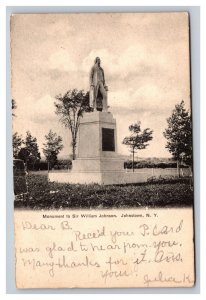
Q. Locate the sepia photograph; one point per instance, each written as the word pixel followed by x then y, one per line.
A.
pixel 102 150
pixel 101 110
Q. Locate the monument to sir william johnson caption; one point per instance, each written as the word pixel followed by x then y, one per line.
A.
pixel 97 158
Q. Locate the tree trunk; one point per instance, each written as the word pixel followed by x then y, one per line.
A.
pixel 133 160
pixel 73 152
pixel 178 168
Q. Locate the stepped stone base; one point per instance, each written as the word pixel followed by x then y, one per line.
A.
pixel 106 178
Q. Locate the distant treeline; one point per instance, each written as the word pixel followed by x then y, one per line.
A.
pixel 147 164
pixel 65 164
pixel 62 164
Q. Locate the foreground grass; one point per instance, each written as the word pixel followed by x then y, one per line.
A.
pixel 49 195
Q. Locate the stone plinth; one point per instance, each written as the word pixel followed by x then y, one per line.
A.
pixel 97 155
pixel 97 136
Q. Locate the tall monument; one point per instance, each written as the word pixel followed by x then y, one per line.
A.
pixel 97 158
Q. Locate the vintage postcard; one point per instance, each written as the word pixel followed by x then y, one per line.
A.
pixel 102 150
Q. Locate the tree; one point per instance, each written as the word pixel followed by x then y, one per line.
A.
pixel 52 147
pixel 70 108
pixel 30 153
pixel 17 142
pixel 138 139
pixel 179 135
pixel 23 154
pixel 13 106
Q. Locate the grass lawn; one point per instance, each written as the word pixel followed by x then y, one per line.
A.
pixel 50 195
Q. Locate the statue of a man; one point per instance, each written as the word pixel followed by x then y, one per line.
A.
pixel 97 85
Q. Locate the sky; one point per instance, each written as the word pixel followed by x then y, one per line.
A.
pixel 145 57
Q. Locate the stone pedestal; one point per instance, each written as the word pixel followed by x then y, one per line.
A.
pixel 97 155
pixel 97 136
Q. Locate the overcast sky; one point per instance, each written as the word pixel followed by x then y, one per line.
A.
pixel 145 58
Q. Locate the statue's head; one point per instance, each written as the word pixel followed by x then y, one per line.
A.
pixel 97 60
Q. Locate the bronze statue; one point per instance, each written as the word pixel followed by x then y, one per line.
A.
pixel 98 88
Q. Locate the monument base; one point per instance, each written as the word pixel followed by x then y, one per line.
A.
pixel 100 164
pixel 105 178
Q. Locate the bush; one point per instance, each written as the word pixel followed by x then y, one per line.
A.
pixel 38 166
pixel 63 164
pixel 149 164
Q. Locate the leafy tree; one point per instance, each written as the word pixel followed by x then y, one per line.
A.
pixel 138 139
pixel 70 108
pixel 52 147
pixel 17 142
pixel 30 153
pixel 179 135
pixel 24 155
pixel 13 106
